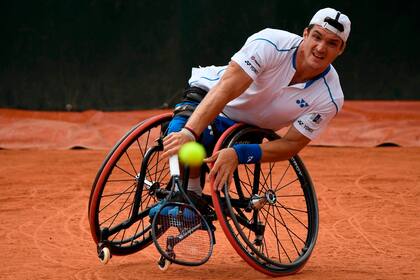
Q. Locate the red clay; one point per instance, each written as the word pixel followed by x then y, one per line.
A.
pixel 369 200
pixel 359 124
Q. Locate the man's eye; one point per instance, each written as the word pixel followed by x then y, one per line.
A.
pixel 332 44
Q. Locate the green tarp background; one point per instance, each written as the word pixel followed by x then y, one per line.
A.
pixel 124 54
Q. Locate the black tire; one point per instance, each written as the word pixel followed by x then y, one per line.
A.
pixel 287 220
pixel 112 196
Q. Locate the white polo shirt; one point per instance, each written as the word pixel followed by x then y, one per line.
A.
pixel 268 57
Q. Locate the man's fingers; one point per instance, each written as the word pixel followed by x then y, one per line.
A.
pixel 213 172
pixel 166 154
pixel 167 138
pixel 210 159
pixel 222 170
pixel 170 146
pixel 216 182
pixel 169 152
pixel 215 167
pixel 220 178
pixel 222 181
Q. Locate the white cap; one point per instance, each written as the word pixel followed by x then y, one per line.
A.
pixel 334 21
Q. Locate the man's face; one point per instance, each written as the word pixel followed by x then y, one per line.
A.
pixel 321 47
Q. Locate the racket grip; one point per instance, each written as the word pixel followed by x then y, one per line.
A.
pixel 174 165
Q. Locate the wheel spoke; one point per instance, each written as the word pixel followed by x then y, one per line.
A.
pixel 125 171
pixel 285 225
pixel 131 163
pixel 118 196
pixel 122 206
pixel 140 222
pixel 151 175
pixel 284 174
pixel 289 231
pixel 114 216
pixel 278 241
pixel 288 184
pixel 140 148
pixel 263 184
pixel 276 235
pixel 119 180
pixel 248 170
pixel 162 171
pixel 291 209
pixel 119 193
pixel 272 230
pixel 146 146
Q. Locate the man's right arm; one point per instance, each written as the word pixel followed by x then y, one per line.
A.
pixel 232 84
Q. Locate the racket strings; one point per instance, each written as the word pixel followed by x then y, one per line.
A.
pixel 185 236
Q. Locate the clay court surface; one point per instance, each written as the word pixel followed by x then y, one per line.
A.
pixel 369 204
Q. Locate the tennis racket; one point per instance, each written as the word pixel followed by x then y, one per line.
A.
pixel 181 234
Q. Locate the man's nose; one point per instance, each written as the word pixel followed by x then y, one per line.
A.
pixel 321 47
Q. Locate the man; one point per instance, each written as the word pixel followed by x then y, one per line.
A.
pixel 277 79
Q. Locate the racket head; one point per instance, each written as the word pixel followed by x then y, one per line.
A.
pixel 182 235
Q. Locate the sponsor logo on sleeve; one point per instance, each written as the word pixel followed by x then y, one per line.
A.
pixel 307 128
pixel 255 60
pixel 253 69
pixel 316 118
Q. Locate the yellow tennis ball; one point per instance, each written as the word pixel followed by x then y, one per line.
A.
pixel 192 154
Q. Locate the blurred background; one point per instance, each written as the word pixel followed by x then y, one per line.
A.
pixel 125 54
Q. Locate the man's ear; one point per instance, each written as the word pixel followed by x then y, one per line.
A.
pixel 343 47
pixel 305 33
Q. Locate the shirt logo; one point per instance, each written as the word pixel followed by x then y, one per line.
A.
pixel 255 60
pixel 302 103
pixel 307 128
pixel 250 158
pixel 253 69
pixel 317 118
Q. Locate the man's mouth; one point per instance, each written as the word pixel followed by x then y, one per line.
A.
pixel 318 56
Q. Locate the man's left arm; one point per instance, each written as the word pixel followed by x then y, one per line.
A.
pixel 284 148
pixel 226 160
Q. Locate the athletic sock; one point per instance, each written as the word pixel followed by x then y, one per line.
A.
pixel 195 185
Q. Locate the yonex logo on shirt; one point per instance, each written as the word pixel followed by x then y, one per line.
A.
pixel 302 103
pixel 253 69
pixel 253 58
pixel 307 128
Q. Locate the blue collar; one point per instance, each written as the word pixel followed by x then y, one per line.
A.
pixel 294 56
pixel 310 82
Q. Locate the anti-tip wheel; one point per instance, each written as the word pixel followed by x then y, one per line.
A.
pixel 104 255
pixel 163 263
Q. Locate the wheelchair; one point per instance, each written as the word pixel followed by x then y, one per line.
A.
pixel 269 214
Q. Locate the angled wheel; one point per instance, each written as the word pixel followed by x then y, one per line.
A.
pixel 119 180
pixel 163 263
pixel 270 213
pixel 104 255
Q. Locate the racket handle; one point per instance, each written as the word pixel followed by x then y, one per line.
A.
pixel 174 165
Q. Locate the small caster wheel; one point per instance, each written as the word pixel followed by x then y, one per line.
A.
pixel 163 263
pixel 104 255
